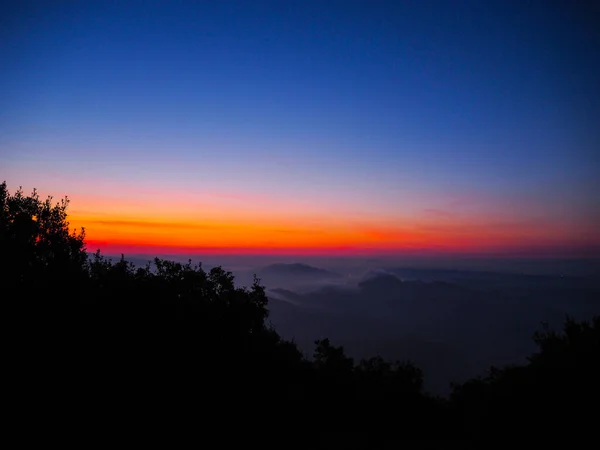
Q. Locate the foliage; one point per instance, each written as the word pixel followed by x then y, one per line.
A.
pixel 35 241
pixel 543 397
pixel 171 337
pixel 332 359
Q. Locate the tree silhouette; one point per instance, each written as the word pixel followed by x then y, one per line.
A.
pixel 172 342
pixel 37 247
pixel 542 399
pixel 331 359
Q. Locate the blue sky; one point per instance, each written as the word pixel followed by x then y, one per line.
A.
pixel 381 109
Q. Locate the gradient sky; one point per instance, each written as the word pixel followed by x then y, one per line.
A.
pixel 309 126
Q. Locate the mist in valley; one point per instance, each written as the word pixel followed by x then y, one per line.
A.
pixel 453 318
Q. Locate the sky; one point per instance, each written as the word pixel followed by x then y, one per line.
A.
pixel 309 127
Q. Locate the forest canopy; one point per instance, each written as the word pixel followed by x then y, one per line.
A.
pixel 106 334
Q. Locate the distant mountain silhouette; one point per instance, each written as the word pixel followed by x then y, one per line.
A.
pixel 389 312
pixel 380 281
pixel 285 294
pixel 493 280
pixel 298 270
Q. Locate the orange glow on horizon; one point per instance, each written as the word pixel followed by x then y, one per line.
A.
pixel 233 235
pixel 135 220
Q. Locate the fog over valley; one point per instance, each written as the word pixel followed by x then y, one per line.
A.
pixel 453 322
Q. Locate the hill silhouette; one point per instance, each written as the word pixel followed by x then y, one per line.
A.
pixel 298 270
pixel 102 345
